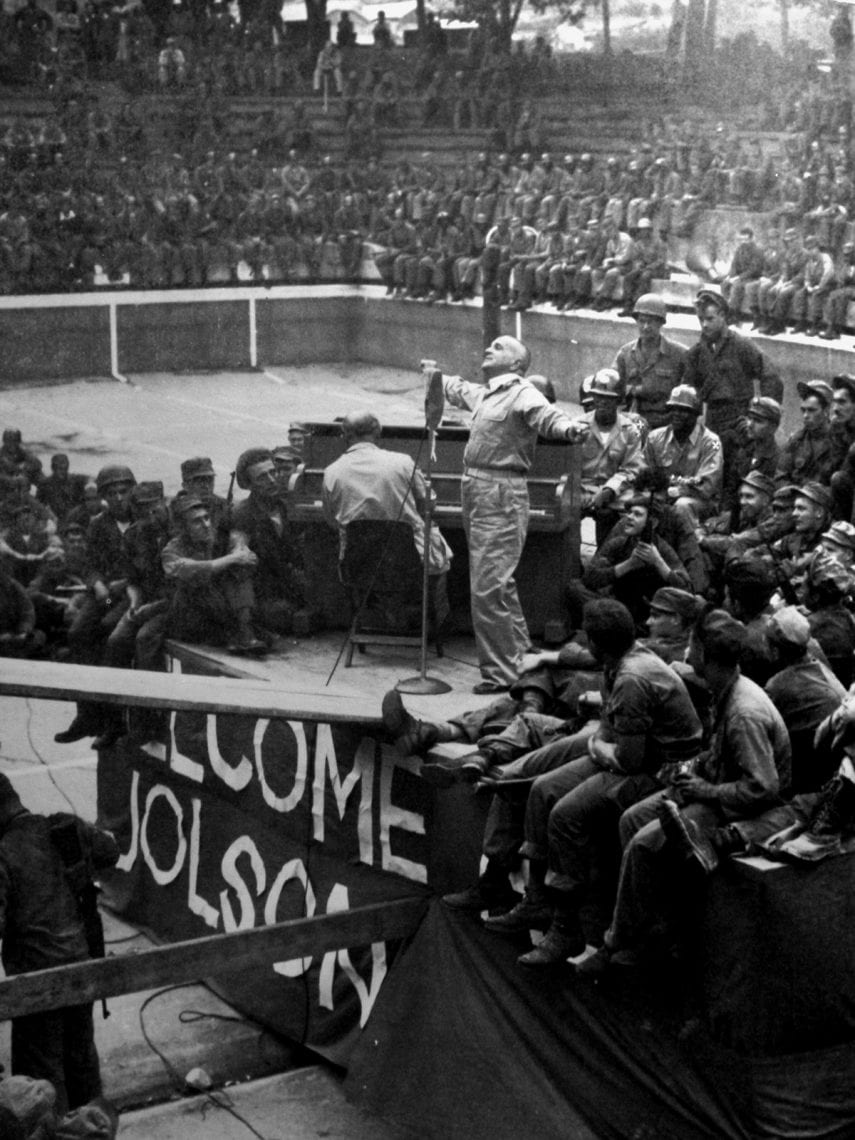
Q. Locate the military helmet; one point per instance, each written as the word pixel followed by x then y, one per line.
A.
pixel 684 396
pixel 650 305
pixel 606 382
pixel 114 473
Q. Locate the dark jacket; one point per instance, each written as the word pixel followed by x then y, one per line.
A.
pixel 40 923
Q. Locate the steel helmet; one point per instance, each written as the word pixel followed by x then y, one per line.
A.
pixel 684 396
pixel 606 382
pixel 107 476
pixel 650 305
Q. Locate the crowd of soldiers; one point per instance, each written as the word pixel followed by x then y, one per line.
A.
pixel 699 708
pixel 102 570
pixel 90 199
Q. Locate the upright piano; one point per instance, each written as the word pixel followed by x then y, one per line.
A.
pixel 551 553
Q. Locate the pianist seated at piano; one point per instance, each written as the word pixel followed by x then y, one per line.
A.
pixel 370 482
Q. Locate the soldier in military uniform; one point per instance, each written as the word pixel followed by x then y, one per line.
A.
pixel 807 453
pixel 811 515
pixel 198 479
pixel 650 261
pixel 106 600
pixel 746 266
pixel 261 522
pixel 728 370
pixel 689 455
pixel 137 639
pixel 757 450
pixel 754 527
pixel 651 366
pixel 210 583
pixel 611 453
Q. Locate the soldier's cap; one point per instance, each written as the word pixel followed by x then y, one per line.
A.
pixel 668 599
pixel 198 465
pixel 841 534
pixel 114 473
pixel 644 224
pixel 760 482
pixel 785 495
pixel 742 572
pixel 249 459
pixel 606 382
pixel 593 224
pixel 183 504
pixel 151 492
pixel 287 453
pixel 820 388
pixel 12 435
pixel 722 628
pixel 829 572
pixel 765 408
pixel 553 225
pixel 791 233
pixel 10 802
pixel 817 493
pixel 811 240
pixel 790 625
pixel 296 426
pixel 684 396
pixel 711 295
pixel 844 380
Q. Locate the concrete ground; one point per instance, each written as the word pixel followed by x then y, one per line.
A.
pixel 301 1105
pixel 159 419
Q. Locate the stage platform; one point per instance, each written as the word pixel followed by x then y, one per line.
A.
pixel 464 1042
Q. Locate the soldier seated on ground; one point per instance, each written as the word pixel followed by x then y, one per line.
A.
pixel 211 583
pixel 689 454
pixel 61 491
pixel 262 522
pixel 18 634
pixel 611 452
pixel 630 565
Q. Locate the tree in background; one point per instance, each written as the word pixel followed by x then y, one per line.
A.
pixel 498 18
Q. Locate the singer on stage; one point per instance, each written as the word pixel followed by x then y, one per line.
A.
pixel 508 414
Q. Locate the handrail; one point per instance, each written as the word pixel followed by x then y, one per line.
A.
pixel 218 954
pixel 249 696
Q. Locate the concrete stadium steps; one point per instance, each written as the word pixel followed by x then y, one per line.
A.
pixel 598 122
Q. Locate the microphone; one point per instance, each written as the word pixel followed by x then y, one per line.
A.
pixel 434 398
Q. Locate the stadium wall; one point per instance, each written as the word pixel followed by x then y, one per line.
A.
pixel 48 339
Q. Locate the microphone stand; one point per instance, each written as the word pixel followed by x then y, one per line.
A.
pixel 423 684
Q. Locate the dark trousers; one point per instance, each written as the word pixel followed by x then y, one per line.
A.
pixel 59 1046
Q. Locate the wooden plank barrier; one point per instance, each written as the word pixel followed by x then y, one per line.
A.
pixel 206 957
pixel 250 696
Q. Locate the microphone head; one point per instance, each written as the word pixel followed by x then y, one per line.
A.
pixel 434 399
